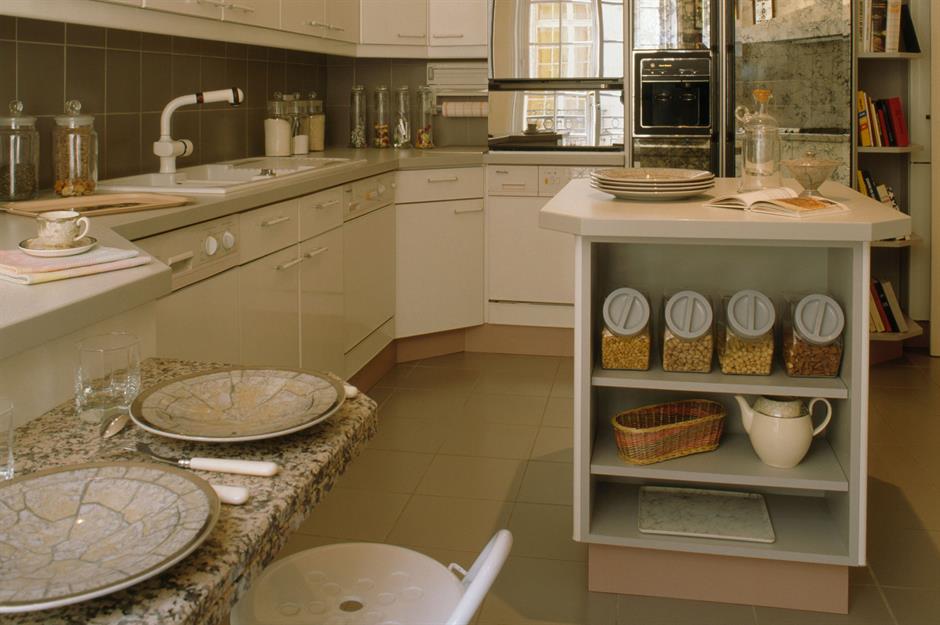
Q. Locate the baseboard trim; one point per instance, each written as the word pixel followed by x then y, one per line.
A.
pixel 531 340
pixel 430 345
pixel 375 369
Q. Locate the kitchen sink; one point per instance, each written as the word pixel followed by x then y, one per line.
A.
pixel 229 177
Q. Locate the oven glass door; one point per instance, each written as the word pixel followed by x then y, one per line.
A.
pixel 672 24
pixel 556 119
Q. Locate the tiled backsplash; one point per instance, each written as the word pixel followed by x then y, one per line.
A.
pixel 125 79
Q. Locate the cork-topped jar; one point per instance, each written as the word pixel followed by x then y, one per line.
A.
pixel 812 336
pixel 746 333
pixel 625 339
pixel 687 333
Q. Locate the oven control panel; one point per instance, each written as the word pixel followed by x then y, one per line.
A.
pixel 196 252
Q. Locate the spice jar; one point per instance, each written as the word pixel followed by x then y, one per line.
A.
pixel 277 129
pixel 625 339
pixel 426 108
pixel 299 126
pixel 75 152
pixel 19 155
pixel 357 117
pixel 380 134
pixel 687 333
pixel 746 333
pixel 402 138
pixel 812 336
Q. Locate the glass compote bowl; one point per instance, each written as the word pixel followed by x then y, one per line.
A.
pixel 811 172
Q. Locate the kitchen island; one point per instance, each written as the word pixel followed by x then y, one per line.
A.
pixel 818 508
pixel 201 589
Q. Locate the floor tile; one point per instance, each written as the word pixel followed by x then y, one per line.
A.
pixel 860 576
pixel 432 405
pixel 908 558
pixel 494 362
pixel 355 514
pixel 441 379
pixel 559 412
pixel 409 435
pixel 535 383
pixel 508 409
pixel 493 440
pixel 564 383
pixel 553 445
pixel 379 394
pixel 449 523
pixel 398 373
pixel 895 376
pixel 532 591
pixel 633 610
pixel 866 607
pixel 386 471
pixel 914 606
pixel 474 478
pixel 547 482
pixel 301 542
pixel 543 531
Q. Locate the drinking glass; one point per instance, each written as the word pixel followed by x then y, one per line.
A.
pixel 108 375
pixel 6 439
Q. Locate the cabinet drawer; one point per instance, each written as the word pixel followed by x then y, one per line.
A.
pixel 267 229
pixel 512 180
pixel 320 212
pixel 428 185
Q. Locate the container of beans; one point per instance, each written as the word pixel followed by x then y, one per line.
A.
pixel 625 339
pixel 687 333
pixel 75 152
pixel 746 333
pixel 812 336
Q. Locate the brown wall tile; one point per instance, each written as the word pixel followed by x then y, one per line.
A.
pixel 85 77
pixel 186 126
pixel 149 132
pixel 155 43
pixel 187 75
pixel 8 74
pixel 81 35
pixel 221 135
pixel 156 87
pixel 40 30
pixel 256 83
pixel 123 39
pixel 7 27
pixel 40 77
pixel 123 81
pixel 123 145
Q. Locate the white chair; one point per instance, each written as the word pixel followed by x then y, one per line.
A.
pixel 370 584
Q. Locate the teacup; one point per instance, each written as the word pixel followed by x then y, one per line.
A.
pixel 61 228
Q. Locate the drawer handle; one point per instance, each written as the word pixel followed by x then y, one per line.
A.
pixel 514 184
pixel 315 24
pixel 502 171
pixel 450 179
pixel 290 263
pixel 354 206
pixel 448 36
pixel 463 211
pixel 275 221
pixel 335 27
pixel 240 7
pixel 326 204
pixel 316 252
pixel 404 36
pixel 175 260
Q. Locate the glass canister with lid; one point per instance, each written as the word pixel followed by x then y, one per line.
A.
pixel 424 137
pixel 278 131
pixel 402 130
pixel 812 336
pixel 299 115
pixel 625 339
pixel 746 333
pixel 380 125
pixel 357 117
pixel 687 332
pixel 19 155
pixel 760 154
pixel 74 152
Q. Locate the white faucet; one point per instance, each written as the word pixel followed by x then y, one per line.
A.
pixel 168 148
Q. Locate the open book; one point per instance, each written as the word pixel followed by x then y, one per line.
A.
pixel 781 201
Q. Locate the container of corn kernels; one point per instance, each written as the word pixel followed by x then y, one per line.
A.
pixel 746 333
pixel 687 333
pixel 812 336
pixel 625 339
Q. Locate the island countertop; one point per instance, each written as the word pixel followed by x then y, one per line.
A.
pixel 201 589
pixel 581 210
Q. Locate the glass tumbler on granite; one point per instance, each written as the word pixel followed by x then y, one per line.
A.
pixel 108 375
pixel 6 439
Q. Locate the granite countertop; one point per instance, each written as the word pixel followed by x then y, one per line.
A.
pixel 201 589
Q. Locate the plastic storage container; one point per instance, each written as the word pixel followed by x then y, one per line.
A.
pixel 357 117
pixel 625 339
pixel 380 128
pixel 19 155
pixel 746 333
pixel 402 132
pixel 812 336
pixel 760 154
pixel 74 152
pixel 424 137
pixel 687 333
pixel 277 129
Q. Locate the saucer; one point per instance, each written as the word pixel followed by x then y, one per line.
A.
pixel 34 247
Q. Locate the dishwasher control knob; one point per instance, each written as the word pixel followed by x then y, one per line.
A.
pixel 211 245
pixel 228 240
pixel 371 195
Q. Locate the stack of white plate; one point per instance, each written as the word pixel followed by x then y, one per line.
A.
pixel 652 183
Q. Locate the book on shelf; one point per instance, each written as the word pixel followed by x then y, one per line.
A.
pixel 875 323
pixel 864 124
pixel 875 123
pixel 879 17
pixel 881 123
pixel 898 122
pixel 909 41
pixel 886 26
pixel 895 306
pixel 780 201
pixel 893 26
pixel 884 309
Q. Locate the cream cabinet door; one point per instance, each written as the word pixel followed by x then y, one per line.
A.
pixel 253 12
pixel 200 322
pixel 304 16
pixel 342 20
pixel 457 22
pixel 321 303
pixel 368 273
pixel 439 266
pixel 269 316
pixel 200 8
pixel 402 22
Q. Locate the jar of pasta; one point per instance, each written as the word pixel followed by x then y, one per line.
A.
pixel 812 336
pixel 687 333
pixel 746 333
pixel 625 339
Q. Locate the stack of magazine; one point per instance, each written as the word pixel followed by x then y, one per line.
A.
pixel 781 201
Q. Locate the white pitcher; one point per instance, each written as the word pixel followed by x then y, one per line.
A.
pixel 781 428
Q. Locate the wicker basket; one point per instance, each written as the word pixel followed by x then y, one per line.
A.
pixel 663 431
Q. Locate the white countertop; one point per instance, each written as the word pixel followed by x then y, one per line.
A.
pixel 584 211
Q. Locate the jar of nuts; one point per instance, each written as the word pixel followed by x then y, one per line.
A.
pixel 746 333
pixel 812 336
pixel 75 152
pixel 687 334
pixel 625 339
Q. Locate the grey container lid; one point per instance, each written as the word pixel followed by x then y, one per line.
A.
pixel 750 313
pixel 689 314
pixel 819 319
pixel 626 311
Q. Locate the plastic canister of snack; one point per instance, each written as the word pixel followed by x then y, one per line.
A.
pixel 746 333
pixel 687 333
pixel 812 336
pixel 625 339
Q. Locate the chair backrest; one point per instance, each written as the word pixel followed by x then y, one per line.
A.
pixel 480 577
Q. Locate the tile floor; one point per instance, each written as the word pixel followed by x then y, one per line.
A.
pixel 468 443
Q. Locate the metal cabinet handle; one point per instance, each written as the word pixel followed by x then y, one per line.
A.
pixel 290 263
pixel 316 252
pixel 502 171
pixel 275 221
pixel 326 204
pixel 464 211
pixel 514 184
pixel 240 7
pixel 450 179
pixel 315 24
pixel 405 36
pixel 213 3
pixel 175 260
pixel 448 36
pixel 335 27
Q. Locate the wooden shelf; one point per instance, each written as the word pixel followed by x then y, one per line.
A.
pixel 914 330
pixel 888 150
pixel 733 463
pixel 914 239
pixel 896 56
pixel 804 526
pixel 777 383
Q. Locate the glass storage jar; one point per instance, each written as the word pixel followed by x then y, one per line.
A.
pixel 298 112
pixel 625 339
pixel 316 123
pixel 74 152
pixel 380 128
pixel 402 132
pixel 424 137
pixel 760 154
pixel 687 333
pixel 812 336
pixel 746 333
pixel 277 129
pixel 19 155
pixel 357 117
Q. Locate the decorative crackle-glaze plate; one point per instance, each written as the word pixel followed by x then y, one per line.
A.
pixel 74 533
pixel 658 175
pixel 237 404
